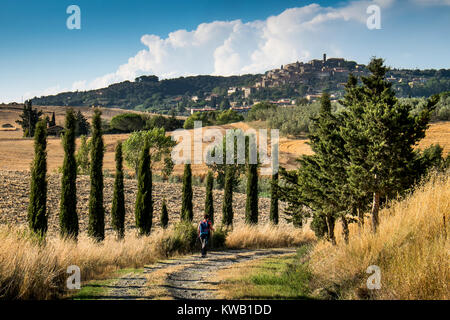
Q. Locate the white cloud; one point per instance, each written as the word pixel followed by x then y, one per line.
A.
pixel 433 2
pixel 235 47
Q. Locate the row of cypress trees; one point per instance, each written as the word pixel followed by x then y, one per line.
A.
pixel 68 217
pixel 251 208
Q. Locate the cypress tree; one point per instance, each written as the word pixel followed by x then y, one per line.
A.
pixel 319 183
pixel 144 202
pixel 96 228
pixel 118 202
pixel 29 118
pixel 187 212
pixel 164 215
pixel 274 199
pixel 380 134
pixel 53 121
pixel 37 209
pixel 209 201
pixel 68 218
pixel 227 205
pixel 251 204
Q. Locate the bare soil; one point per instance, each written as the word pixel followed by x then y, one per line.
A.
pixel 14 199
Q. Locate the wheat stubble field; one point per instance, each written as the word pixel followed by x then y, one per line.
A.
pixel 14 200
pixel 16 153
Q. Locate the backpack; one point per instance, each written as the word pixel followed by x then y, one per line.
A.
pixel 204 227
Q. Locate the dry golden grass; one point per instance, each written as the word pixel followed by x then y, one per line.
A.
pixel 268 236
pixel 411 248
pixel 439 132
pixel 32 271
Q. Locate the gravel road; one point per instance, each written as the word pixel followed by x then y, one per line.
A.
pixel 188 277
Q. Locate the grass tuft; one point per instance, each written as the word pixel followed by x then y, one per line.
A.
pixel 411 248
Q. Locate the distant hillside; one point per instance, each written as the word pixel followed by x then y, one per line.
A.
pixel 292 81
pixel 148 92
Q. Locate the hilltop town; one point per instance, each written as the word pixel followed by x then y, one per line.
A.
pixel 288 85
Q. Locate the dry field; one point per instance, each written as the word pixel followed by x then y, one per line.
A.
pixel 16 153
pixel 14 200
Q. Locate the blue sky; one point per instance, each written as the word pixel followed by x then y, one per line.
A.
pixel 120 40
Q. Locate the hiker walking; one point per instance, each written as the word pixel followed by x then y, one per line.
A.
pixel 204 232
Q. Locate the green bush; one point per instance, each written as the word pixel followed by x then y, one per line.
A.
pixel 128 122
pixel 440 113
pixel 207 119
pixel 218 239
pixel 168 123
pixel 229 116
pixel 319 226
pixel 258 110
pixel 211 118
pixel 181 240
pixel 294 120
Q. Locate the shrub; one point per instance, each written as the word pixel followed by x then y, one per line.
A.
pixel 167 123
pixel 82 156
pixel 128 122
pixel 229 116
pixel 290 120
pixel 319 226
pixel 182 239
pixel 218 238
pixel 164 215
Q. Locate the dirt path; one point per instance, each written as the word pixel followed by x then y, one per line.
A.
pixel 188 277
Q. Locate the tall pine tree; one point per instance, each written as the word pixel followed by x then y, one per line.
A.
pixel 379 135
pixel 227 205
pixel 187 211
pixel 96 228
pixel 118 202
pixel 52 121
pixel 274 199
pixel 29 118
pixel 144 200
pixel 251 204
pixel 319 183
pixel 37 209
pixel 209 201
pixel 68 218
